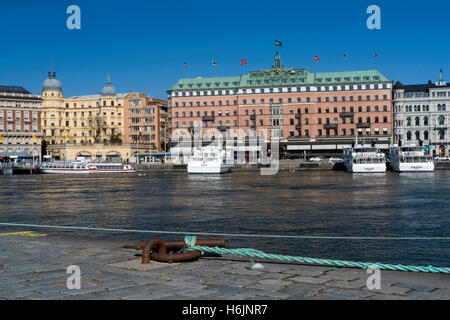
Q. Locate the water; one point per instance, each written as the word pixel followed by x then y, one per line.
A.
pixel 300 203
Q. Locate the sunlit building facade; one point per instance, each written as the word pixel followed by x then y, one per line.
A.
pixel 312 112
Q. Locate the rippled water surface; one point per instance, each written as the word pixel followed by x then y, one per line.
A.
pixel 300 203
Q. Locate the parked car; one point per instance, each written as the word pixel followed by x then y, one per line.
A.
pixel 335 159
pixel 316 159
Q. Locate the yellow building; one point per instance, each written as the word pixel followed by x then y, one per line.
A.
pixel 91 124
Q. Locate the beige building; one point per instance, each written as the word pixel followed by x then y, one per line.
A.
pixel 96 126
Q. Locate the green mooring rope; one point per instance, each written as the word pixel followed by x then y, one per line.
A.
pixel 254 253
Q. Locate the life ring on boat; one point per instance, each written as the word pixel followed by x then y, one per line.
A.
pixel 413 153
pixel 366 155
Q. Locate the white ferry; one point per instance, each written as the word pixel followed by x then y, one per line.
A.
pixel 83 166
pixel 361 159
pixel 210 159
pixel 112 167
pixel 410 158
pixel 67 167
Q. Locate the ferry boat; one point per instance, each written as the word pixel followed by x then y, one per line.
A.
pixel 210 159
pixel 112 167
pixel 361 159
pixel 83 166
pixel 67 167
pixel 410 158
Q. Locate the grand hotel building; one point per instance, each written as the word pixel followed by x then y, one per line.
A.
pixel 316 113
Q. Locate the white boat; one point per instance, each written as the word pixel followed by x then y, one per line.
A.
pixel 210 159
pixel 410 158
pixel 361 159
pixel 112 167
pixel 67 167
pixel 84 166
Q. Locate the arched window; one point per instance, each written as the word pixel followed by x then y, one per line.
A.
pixel 441 135
pixel 417 134
pixel 441 120
pixel 425 135
pixel 408 135
pixel 408 121
pixel 417 121
pixel 425 121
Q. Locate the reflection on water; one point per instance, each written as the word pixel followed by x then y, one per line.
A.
pixel 290 203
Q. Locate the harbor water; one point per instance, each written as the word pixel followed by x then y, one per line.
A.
pixel 303 203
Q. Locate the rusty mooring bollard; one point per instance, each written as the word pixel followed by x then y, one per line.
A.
pixel 168 250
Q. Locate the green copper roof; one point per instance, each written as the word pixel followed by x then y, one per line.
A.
pixel 280 76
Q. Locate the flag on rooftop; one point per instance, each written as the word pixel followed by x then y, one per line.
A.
pixel 316 58
pixel 345 56
pixel 243 62
pixel 214 63
pixel 375 55
pixel 277 43
pixel 186 65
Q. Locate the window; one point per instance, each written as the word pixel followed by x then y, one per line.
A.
pixel 408 136
pixel 441 120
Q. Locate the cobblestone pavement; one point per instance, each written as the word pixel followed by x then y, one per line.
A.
pixel 35 268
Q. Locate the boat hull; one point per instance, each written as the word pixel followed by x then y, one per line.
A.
pixel 413 167
pixel 207 168
pixel 366 168
pixel 67 171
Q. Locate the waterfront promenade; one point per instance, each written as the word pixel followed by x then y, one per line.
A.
pixel 35 268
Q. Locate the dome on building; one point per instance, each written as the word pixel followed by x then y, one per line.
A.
pixel 51 83
pixel 108 90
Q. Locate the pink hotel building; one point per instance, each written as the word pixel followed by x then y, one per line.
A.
pixel 315 113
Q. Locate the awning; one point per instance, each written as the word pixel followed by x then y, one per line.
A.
pixel 15 154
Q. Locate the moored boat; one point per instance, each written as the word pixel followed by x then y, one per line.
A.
pixel 210 159
pixel 360 159
pixel 410 158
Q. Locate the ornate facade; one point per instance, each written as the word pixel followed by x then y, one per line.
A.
pixel 421 115
pixel 20 127
pixel 94 126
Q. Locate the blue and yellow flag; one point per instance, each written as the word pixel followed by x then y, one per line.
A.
pixel 1 138
pixel 277 43
pixel 34 138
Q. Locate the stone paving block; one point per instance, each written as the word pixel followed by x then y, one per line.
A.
pixel 343 284
pixel 269 285
pixel 302 290
pixel 340 294
pixel 309 280
pixel 345 274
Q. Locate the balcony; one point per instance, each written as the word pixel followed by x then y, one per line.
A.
pixel 208 118
pixel 253 117
pixel 298 126
pixel 330 126
pixel 223 128
pixel 298 116
pixel 363 125
pixel 346 114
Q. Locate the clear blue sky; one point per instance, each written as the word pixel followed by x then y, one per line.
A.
pixel 144 44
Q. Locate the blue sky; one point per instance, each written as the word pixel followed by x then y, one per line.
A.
pixel 144 44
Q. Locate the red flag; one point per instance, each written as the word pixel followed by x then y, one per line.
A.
pixel 316 58
pixel 243 62
pixel 186 65
pixel 375 55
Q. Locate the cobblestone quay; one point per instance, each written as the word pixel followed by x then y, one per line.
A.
pixel 36 268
